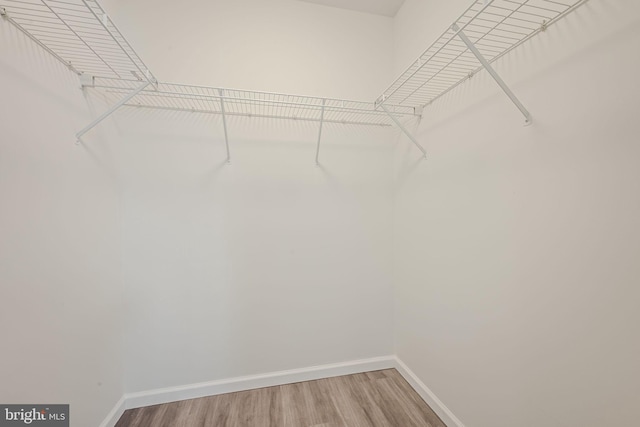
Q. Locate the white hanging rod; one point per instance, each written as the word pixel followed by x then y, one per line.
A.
pixel 266 116
pixel 183 91
pixel 170 96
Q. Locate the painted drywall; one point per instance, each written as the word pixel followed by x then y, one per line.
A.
pixel 516 248
pixel 417 25
pixel 379 7
pixel 270 263
pixel 60 284
pixel 267 264
pixel 276 45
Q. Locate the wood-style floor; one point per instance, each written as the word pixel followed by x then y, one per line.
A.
pixel 373 399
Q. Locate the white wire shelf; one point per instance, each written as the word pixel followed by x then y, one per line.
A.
pixel 495 27
pixel 245 103
pixel 79 34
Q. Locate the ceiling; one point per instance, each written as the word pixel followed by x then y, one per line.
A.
pixel 378 7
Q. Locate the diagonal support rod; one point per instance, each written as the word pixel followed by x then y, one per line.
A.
pixel 111 110
pixel 224 124
pixel 404 129
pixel 493 73
pixel 324 102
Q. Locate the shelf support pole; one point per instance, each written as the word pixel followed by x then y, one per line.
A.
pixel 324 102
pixel 224 124
pixel 493 73
pixel 404 130
pixel 111 110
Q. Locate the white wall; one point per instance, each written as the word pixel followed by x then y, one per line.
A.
pixel 60 283
pixel 276 45
pixel 516 248
pixel 269 263
pixel 417 24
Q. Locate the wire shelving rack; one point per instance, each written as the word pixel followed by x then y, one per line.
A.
pixel 493 27
pixel 235 102
pixel 81 35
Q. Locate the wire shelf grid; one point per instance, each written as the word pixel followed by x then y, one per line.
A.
pixel 494 26
pixel 81 35
pixel 78 33
pixel 245 103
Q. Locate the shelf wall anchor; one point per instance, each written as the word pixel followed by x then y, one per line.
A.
pixel 110 111
pixel 404 129
pixel 487 66
pixel 324 102
pixel 224 124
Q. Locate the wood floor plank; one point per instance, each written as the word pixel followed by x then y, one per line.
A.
pixel 408 392
pixel 156 416
pixel 257 408
pixel 371 399
pixel 128 419
pixel 221 407
pixel 359 389
pixel 376 375
pixel 180 413
pixel 351 413
pixel 397 406
pixel 325 409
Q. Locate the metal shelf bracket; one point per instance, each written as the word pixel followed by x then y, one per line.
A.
pixel 324 103
pixel 487 66
pixel 110 111
pixel 224 123
pixel 404 129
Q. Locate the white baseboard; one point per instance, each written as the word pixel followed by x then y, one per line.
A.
pixel 432 400
pixel 115 414
pixel 212 388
